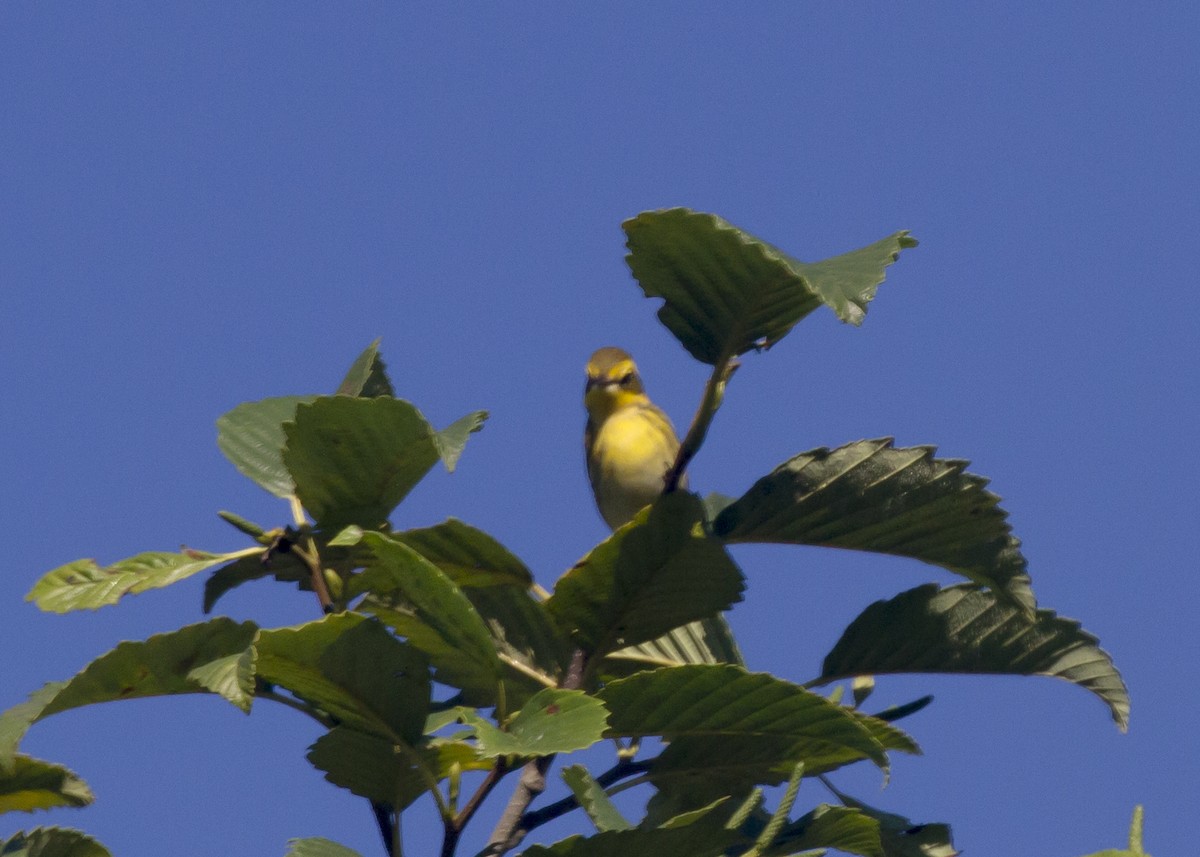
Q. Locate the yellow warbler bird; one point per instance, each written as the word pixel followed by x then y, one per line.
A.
pixel 630 443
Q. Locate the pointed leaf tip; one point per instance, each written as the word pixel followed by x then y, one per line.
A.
pixel 965 629
pixel 870 495
pixel 726 292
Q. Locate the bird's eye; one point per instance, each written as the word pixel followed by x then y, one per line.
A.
pixel 627 379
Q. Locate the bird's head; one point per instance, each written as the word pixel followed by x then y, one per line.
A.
pixel 612 382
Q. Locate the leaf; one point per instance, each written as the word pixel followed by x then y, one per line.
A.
pixel 652 575
pixel 533 651
pixel 780 816
pixel 451 440
pixel 251 436
pixel 284 567
pixel 52 842
pixel 964 629
pixel 433 614
pixel 367 377
pixel 384 772
pixel 243 570
pixel 693 840
pixel 468 556
pixel 354 460
pixel 1135 848
pixel 35 784
pixel 85 585
pixel 553 721
pixel 316 846
pixel 871 496
pixel 901 837
pixel 193 659
pixel 726 292
pixel 729 729
pixel 826 826
pixel 706 641
pixel 592 799
pixel 15 722
pixel 352 668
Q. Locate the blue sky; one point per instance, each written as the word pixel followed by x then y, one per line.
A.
pixel 201 206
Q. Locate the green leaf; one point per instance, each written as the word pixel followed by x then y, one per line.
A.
pixel 354 460
pixel 729 729
pixel 52 842
pixel 284 567
pixel 726 292
pixel 964 629
pixel 193 659
pixel 590 794
pixel 15 722
pixel 468 556
pixel 232 575
pixel 433 614
pixel 451 440
pixel 899 836
pixel 826 826
pixel 693 840
pixel 367 377
pixel 85 585
pixel 779 817
pixel 316 846
pixel 652 575
pixel 553 721
pixel 871 496
pixel 352 668
pixel 251 436
pixel 533 651
pixel 35 784
pixel 706 641
pixel 385 772
pixel 1135 848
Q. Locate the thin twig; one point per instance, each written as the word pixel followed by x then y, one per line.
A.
pixel 552 811
pixel 310 558
pixel 714 394
pixel 455 826
pixel 508 832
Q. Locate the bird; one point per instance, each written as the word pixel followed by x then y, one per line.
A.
pixel 629 442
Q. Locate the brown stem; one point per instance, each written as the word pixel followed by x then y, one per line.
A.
pixel 510 829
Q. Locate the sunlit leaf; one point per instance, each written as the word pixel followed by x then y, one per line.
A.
pixel 552 721
pixel 251 436
pixel 726 292
pixel 85 585
pixel 871 496
pixel 367 377
pixel 451 440
pixel 354 460
pixel 705 641
pixel 592 799
pixel 965 629
pixel 32 784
